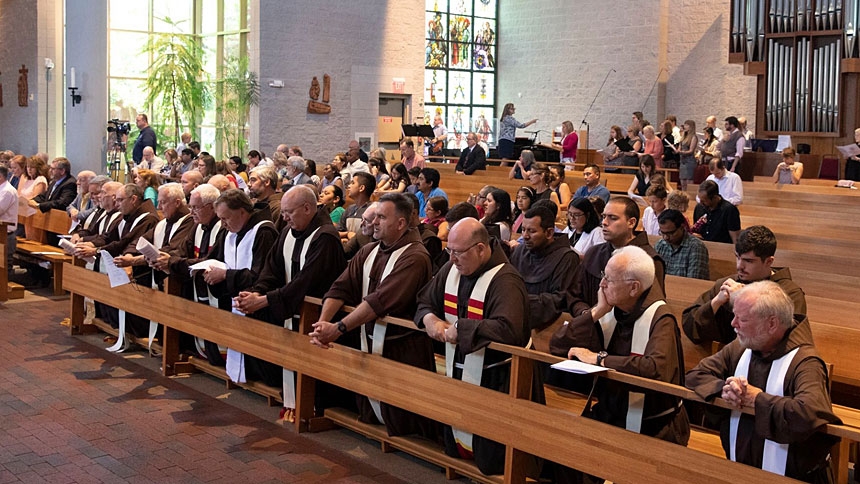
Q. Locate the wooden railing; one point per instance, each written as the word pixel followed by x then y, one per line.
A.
pixel 525 427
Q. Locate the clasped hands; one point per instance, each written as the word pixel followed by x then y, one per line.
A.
pixel 739 393
pixel 439 329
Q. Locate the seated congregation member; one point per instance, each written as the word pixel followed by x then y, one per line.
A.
pixel 789 171
pixel 83 204
pixel 383 279
pixel 592 187
pixel 557 184
pixel 263 188
pixel 62 189
pixel 138 217
pixel 730 185
pixel 620 217
pixel 548 266
pixel 491 306
pixel 428 187
pixel 331 198
pixel 497 211
pixel 8 215
pixel 398 180
pixel 608 334
pixel 710 317
pixel 656 198
pixel 717 220
pixel 193 249
pixel 168 234
pixel 522 167
pixel 583 226
pixel 525 198
pixel 250 235
pixel 305 261
pixel 774 368
pixel 642 180
pixel 360 188
pixel 364 235
pixel 105 218
pixel 410 158
pixel 189 181
pixel 539 178
pixel 431 241
pixel 436 209
pixel 455 214
pixel 95 213
pixel 472 158
pixel 684 255
pixel 221 182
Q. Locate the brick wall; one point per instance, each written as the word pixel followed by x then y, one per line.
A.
pixel 554 54
pixel 19 125
pixel 361 45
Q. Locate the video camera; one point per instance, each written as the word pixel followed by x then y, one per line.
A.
pixel 120 127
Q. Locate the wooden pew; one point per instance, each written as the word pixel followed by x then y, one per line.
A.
pixel 526 428
pixel 54 221
pixel 8 290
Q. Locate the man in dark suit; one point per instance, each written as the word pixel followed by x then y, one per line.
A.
pixel 63 189
pixel 473 156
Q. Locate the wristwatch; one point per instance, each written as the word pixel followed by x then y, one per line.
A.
pixel 600 357
pixel 341 326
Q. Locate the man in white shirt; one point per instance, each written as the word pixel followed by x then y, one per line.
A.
pixel 8 213
pixel 150 161
pixel 731 186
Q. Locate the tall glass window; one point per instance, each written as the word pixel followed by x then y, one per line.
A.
pixel 460 67
pixel 221 27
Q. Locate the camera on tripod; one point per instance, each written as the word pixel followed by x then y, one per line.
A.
pixel 120 127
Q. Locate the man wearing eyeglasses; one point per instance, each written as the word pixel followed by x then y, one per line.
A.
pixel 685 255
pixel 490 304
pixel 630 329
pixel 620 218
pixel 192 249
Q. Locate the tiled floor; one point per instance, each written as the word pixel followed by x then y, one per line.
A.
pixel 72 412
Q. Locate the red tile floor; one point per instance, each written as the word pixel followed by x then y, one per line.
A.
pixel 72 412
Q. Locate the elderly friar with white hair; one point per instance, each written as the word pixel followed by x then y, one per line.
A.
pixel 773 367
pixel 630 329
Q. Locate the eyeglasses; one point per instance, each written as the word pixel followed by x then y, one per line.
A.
pixel 575 215
pixel 667 234
pixel 458 253
pixel 610 281
pixel 195 208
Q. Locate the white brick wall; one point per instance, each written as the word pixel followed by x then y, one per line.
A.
pixel 18 125
pixel 362 45
pixel 554 54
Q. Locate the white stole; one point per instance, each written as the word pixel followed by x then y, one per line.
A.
pixel 209 299
pixel 473 364
pixel 775 455
pixel 119 346
pixel 239 257
pixel 289 376
pixel 380 327
pixel 641 334
pixel 160 227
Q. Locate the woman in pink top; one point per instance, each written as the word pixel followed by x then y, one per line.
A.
pixel 34 181
pixel 653 146
pixel 568 145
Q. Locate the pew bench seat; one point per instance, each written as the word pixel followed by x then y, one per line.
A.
pixel 31 250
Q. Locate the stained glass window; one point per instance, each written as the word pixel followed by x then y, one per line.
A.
pixel 459 67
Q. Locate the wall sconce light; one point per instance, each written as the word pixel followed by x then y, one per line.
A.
pixel 73 87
